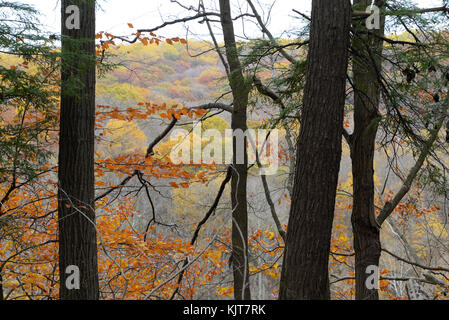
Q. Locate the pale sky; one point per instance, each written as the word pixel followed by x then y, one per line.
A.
pixel 115 15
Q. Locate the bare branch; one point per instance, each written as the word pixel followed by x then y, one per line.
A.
pixel 191 18
pixel 214 205
pixel 268 33
pixel 390 206
pixel 149 152
pixel 160 137
pixel 357 13
pixel 215 105
pixel 214 40
pixel 415 263
pixel 302 15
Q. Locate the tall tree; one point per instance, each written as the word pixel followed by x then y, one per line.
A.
pixel 367 63
pixel 305 267
pixel 76 215
pixel 367 83
pixel 240 92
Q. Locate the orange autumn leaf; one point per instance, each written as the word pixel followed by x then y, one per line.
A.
pixel 174 184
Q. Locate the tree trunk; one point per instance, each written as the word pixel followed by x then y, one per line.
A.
pixel 306 256
pixel 240 91
pixel 367 245
pixel 77 231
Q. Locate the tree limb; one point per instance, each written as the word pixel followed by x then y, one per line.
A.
pixel 215 105
pixel 357 13
pixel 149 152
pixel 160 137
pixel 391 205
pixel 415 263
pixel 214 205
pixel 268 33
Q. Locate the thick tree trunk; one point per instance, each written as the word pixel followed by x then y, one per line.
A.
pixel 306 256
pixel 366 64
pixel 77 231
pixel 240 91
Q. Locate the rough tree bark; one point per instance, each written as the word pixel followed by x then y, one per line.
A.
pixel 366 64
pixel 240 92
pixel 76 215
pixel 305 267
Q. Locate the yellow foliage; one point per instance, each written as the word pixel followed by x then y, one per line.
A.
pixel 124 137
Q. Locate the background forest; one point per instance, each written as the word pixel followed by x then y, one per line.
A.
pixel 166 230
